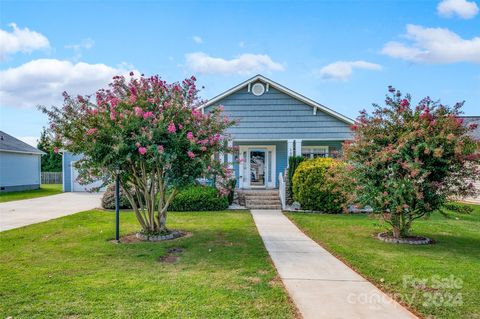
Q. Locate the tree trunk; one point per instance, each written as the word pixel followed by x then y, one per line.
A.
pixel 396 232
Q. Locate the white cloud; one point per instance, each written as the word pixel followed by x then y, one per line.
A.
pixel 77 48
pixel 343 70
pixel 21 40
pixel 434 45
pixel 243 64
pixel 197 39
pixel 463 8
pixel 43 81
pixel 30 140
pixel 85 44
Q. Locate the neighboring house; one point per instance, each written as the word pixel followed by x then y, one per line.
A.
pixel 20 165
pixel 274 124
pixel 467 120
pixel 70 174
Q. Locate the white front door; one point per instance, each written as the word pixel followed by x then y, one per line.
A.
pixel 257 166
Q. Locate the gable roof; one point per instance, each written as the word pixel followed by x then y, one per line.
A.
pixel 282 89
pixel 9 143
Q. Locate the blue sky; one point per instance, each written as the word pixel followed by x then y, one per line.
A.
pixel 342 54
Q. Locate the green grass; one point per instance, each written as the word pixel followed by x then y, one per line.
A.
pixel 456 253
pixel 44 190
pixel 67 268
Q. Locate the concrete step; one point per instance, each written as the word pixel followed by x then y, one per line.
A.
pixel 259 192
pixel 265 207
pixel 256 197
pixel 256 203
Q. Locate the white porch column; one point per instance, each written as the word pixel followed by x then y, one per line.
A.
pixel 298 147
pixel 289 149
pixel 230 155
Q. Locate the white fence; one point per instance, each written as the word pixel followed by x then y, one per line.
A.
pixel 51 178
pixel 282 190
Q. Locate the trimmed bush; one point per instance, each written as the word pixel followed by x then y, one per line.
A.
pixel 108 199
pixel 320 184
pixel 199 198
pixel 293 163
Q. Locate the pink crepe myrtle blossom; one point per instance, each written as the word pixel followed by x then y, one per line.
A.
pixel 55 150
pixel 180 126
pixel 190 136
pixel 142 150
pixel 91 131
pixel 160 149
pixel 148 114
pixel 191 154
pixel 171 128
pixel 138 111
pixel 404 103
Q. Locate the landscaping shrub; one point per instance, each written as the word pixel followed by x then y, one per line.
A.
pixel 320 184
pixel 293 162
pixel 231 190
pixel 199 198
pixel 458 208
pixel 108 199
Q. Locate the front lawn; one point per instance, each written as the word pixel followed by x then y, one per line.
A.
pixel 44 190
pixel 454 259
pixel 67 268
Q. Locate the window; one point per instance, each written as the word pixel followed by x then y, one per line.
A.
pixel 314 151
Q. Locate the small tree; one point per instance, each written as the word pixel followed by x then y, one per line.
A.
pixel 51 162
pixel 409 161
pixel 147 131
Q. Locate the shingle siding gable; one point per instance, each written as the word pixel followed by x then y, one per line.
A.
pixel 276 115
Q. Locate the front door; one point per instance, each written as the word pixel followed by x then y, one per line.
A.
pixel 257 167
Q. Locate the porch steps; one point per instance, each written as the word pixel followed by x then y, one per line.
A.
pixel 261 199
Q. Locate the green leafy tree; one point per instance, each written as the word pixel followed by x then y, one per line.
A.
pixel 51 162
pixel 408 161
pixel 147 131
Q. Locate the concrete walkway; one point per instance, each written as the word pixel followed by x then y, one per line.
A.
pixel 31 211
pixel 320 285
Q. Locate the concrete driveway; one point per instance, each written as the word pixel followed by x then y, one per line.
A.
pixel 31 211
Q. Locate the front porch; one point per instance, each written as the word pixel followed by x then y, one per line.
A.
pixel 258 163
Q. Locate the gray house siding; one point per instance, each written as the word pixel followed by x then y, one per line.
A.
pixel 19 171
pixel 276 115
pixel 67 160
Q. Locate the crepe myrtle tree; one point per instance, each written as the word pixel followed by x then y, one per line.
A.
pixel 408 161
pixel 150 133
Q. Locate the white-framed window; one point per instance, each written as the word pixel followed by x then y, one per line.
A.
pixel 314 151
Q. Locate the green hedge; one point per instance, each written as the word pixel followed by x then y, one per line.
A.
pixel 199 198
pixel 319 185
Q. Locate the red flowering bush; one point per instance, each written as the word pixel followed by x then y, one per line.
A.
pixel 149 131
pixel 407 161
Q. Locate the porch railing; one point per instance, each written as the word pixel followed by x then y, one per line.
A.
pixel 282 189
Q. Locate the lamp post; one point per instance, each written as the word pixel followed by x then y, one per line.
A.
pixel 117 206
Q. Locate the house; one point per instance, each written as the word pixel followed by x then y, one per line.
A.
pixel 70 174
pixel 20 165
pixel 275 123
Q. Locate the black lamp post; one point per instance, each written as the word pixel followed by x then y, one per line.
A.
pixel 117 206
